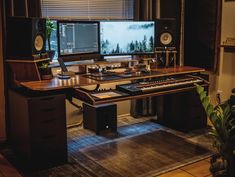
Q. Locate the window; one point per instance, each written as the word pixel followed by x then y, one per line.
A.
pixel 88 9
pixel 53 41
pixel 85 10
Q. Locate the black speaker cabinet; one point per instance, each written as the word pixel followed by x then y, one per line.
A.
pixel 26 37
pixel 184 111
pixel 100 117
pixel 166 32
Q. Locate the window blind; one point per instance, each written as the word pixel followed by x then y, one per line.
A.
pixel 88 9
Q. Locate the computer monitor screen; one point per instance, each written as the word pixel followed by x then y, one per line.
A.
pixel 127 37
pixel 78 37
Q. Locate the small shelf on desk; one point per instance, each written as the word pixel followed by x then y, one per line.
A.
pixel 26 70
pixel 228 48
pixel 91 62
pixel 26 61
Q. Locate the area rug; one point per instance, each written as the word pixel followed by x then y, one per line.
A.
pixel 141 149
pixel 145 155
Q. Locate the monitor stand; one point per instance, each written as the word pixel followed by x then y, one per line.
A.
pixel 66 75
pixel 61 76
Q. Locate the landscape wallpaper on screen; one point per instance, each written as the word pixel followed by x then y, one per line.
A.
pixel 127 37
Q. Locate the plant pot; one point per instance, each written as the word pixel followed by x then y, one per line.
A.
pixel 221 168
pixel 231 167
pixel 51 54
pixel 217 167
pixel 46 77
pixel 46 73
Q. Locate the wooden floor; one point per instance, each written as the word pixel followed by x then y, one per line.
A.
pixel 6 169
pixel 198 169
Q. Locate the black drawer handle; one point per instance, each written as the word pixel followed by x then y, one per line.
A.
pixel 48 109
pixel 48 121
pixel 47 98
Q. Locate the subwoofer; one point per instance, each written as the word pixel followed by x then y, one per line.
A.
pixel 166 32
pixel 25 38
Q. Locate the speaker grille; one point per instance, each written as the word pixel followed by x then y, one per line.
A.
pixel 166 33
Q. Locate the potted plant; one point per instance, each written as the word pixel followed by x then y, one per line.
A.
pixel 223 132
pixel 45 71
pixel 50 27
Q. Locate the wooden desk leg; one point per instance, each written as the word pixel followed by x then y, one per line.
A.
pixel 174 59
pixel 167 59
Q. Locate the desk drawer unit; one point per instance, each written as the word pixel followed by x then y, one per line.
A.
pixel 38 128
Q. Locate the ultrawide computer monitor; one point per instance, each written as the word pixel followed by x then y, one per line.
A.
pixel 127 37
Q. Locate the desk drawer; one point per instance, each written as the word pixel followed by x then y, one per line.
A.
pixel 52 138
pixel 47 117
pixel 46 109
pixel 38 116
pixel 47 102
pixel 47 128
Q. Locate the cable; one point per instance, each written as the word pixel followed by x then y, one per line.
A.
pixel 75 125
pixel 75 105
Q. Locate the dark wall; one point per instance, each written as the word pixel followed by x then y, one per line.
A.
pixel 170 9
pixel 200 30
pixel 200 33
pixel 23 8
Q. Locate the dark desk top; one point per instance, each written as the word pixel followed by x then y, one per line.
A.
pixel 81 80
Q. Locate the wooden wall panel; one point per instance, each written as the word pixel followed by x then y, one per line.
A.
pixel 2 97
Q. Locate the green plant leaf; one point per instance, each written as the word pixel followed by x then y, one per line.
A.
pixel 209 110
pixel 231 122
pixel 205 102
pixel 232 131
pixel 50 27
pixel 202 95
pixel 213 117
pixel 44 65
pixel 199 88
pixel 223 130
pixel 227 112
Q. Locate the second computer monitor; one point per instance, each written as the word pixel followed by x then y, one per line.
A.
pixel 127 37
pixel 78 37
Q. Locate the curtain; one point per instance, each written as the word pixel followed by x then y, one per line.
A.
pixel 23 8
pixel 144 10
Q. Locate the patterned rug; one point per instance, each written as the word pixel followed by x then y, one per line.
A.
pixel 141 148
pixel 145 155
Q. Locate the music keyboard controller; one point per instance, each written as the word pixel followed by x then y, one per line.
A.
pixel 158 85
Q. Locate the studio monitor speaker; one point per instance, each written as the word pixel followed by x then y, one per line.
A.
pixel 166 32
pixel 25 37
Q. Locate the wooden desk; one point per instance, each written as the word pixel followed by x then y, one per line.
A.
pixel 80 80
pixel 46 87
